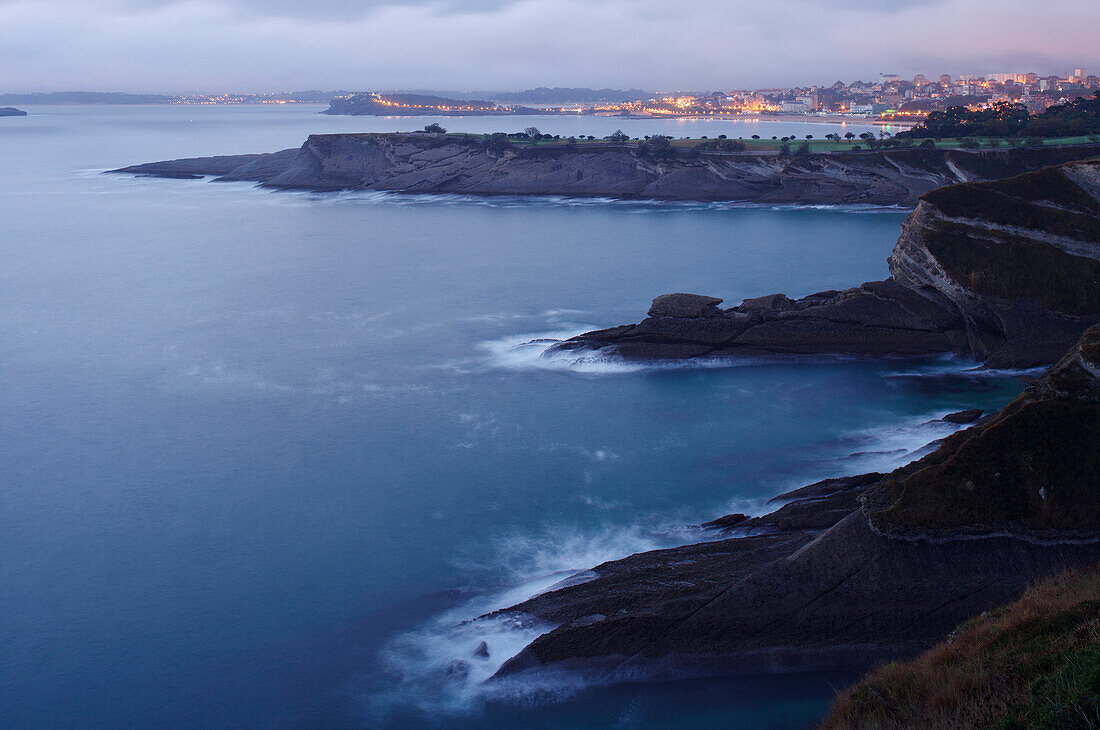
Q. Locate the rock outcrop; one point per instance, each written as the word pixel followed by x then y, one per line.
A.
pixel 852 571
pixel 10 111
pixel 470 165
pixel 1007 272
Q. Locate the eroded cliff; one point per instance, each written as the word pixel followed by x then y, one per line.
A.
pixel 1007 272
pixel 851 571
pixel 472 165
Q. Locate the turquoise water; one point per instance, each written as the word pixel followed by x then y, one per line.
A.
pixel 263 452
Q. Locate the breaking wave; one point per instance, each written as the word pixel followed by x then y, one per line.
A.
pixel 443 666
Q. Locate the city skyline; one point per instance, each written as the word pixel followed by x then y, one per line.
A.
pixel 200 46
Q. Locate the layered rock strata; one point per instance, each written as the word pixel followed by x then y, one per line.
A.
pixel 1007 272
pixel 469 165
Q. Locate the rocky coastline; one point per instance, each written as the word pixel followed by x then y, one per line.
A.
pixel 844 573
pixel 1004 272
pixel 471 165
pixel 848 573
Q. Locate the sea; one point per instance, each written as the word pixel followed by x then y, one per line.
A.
pixel 265 454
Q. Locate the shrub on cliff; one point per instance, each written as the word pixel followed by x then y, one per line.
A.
pixel 657 147
pixel 1033 664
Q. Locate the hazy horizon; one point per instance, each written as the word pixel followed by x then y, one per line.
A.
pixel 249 46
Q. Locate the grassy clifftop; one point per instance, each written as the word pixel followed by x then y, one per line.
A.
pixel 1032 469
pixel 1033 664
pixel 1013 259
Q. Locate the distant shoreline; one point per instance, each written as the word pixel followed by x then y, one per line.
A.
pixel 831 119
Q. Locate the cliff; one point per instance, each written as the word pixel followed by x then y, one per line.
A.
pixel 473 165
pixel 1032 664
pixel 1007 272
pixel 851 571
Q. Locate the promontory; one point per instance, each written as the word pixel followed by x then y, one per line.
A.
pixel 495 165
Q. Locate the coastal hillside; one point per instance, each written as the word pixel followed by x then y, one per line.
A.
pixel 10 111
pixel 849 572
pixel 476 165
pixel 1032 664
pixel 1006 272
pixel 1031 470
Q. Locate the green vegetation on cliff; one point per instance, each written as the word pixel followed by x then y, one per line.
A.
pixel 1031 469
pixel 1011 267
pixel 1034 664
pixel 1078 117
pixel 1013 259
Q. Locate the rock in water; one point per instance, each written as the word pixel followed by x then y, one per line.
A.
pixel 853 571
pixel 968 416
pixel 1007 272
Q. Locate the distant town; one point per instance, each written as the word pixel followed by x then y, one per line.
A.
pixel 889 98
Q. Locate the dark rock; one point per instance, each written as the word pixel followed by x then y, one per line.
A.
pixel 726 522
pixel 1013 284
pixel 770 303
pixel 968 416
pixel 482 650
pixel 684 305
pixel 852 571
pixel 10 111
pixel 879 318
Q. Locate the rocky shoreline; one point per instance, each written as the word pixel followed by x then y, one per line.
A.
pixel 472 165
pixel 853 571
pixel 1005 272
pixel 846 572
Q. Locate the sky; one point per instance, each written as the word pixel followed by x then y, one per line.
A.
pixel 185 46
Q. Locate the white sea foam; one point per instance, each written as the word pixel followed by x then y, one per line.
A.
pixel 887 448
pixel 949 366
pixel 535 351
pixel 437 668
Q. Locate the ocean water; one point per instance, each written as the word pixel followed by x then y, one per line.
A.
pixel 265 453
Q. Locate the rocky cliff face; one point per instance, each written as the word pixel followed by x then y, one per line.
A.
pixel 1019 259
pixel 448 163
pixel 1007 272
pixel 852 571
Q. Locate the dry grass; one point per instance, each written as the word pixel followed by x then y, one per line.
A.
pixel 1032 664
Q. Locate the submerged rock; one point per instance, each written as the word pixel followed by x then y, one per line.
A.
pixel 968 416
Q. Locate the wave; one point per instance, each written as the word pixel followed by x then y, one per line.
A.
pixel 535 351
pixel 884 449
pixel 342 197
pixel 443 666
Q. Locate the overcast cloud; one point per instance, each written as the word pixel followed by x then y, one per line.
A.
pixel 273 45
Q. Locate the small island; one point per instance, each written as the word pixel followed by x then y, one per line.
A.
pixel 10 111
